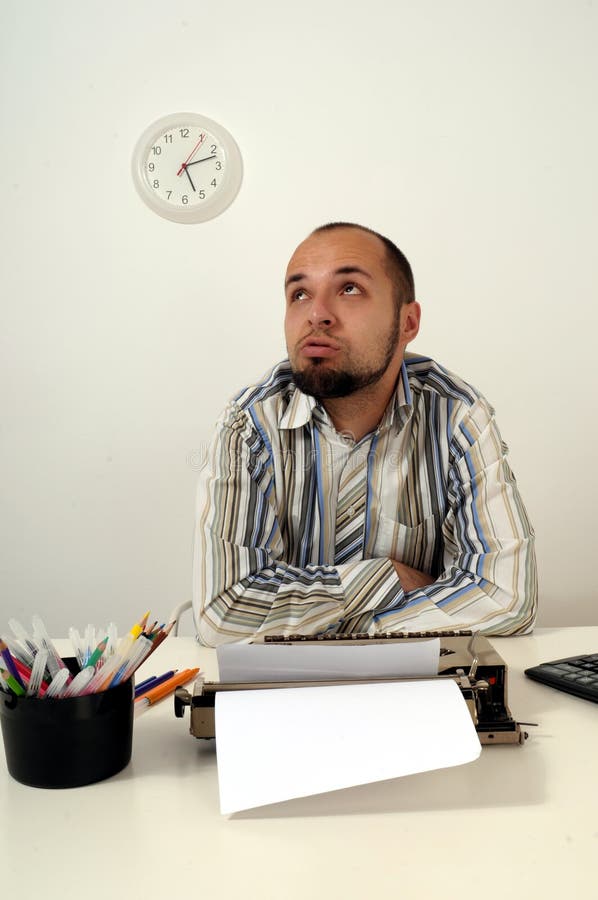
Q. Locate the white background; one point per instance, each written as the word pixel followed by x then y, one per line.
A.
pixel 466 131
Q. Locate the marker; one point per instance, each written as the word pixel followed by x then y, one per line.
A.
pixel 21 635
pixel 78 647
pixel 88 642
pixel 18 650
pixel 79 682
pixel 40 634
pixel 36 683
pixel 26 672
pixel 58 683
pixel 104 675
pixel 135 656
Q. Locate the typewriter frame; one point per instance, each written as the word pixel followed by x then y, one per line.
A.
pixel 468 659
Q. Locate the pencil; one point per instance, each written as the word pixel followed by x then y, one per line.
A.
pixel 139 626
pixel 97 652
pixel 15 686
pixel 10 663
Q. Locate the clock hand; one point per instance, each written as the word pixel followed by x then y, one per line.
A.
pixel 193 152
pixel 195 161
pixel 188 176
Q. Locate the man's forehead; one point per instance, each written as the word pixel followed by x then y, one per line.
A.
pixel 339 248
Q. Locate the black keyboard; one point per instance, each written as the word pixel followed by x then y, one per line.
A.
pixel 576 675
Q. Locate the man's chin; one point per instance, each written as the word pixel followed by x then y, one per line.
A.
pixel 321 381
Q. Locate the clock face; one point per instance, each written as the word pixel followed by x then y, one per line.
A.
pixel 187 168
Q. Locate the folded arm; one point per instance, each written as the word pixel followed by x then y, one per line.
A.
pixel 242 584
pixel 244 587
pixel 489 580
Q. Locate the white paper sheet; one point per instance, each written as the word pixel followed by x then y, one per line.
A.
pixel 325 661
pixel 273 745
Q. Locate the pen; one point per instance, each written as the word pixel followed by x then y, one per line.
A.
pixel 153 682
pixel 163 690
pixel 144 684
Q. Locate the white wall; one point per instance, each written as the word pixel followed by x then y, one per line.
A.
pixel 465 130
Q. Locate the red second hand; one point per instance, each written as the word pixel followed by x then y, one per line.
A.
pixel 193 152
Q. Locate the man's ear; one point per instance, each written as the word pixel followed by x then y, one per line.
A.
pixel 410 319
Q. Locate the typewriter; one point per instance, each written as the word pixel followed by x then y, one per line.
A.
pixel 465 657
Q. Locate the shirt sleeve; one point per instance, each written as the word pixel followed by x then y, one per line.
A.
pixel 242 585
pixel 489 582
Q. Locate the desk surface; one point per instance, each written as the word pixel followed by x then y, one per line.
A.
pixel 519 821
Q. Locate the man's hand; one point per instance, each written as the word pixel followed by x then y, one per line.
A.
pixel 411 579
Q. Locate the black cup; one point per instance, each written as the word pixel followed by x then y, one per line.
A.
pixel 69 742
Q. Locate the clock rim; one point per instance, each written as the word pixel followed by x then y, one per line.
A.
pixel 218 202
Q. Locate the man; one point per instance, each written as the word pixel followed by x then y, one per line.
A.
pixel 356 488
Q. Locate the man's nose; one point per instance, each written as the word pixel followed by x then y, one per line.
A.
pixel 321 313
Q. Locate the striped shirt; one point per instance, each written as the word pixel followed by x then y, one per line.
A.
pixel 297 524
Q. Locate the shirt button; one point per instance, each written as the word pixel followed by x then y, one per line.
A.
pixel 351 511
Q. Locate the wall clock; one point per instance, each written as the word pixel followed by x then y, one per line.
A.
pixel 187 168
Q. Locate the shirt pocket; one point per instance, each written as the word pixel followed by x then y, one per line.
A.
pixel 413 545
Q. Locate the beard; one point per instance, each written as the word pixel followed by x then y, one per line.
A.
pixel 323 383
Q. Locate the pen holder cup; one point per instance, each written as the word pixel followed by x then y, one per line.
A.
pixel 69 742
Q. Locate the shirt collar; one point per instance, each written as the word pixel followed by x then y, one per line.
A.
pixel 299 410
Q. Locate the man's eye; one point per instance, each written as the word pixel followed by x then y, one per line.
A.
pixel 351 289
pixel 298 295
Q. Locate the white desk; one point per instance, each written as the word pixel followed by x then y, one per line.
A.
pixel 520 821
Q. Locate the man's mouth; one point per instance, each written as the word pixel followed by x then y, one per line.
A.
pixel 318 347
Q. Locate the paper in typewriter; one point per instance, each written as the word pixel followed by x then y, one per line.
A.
pixel 327 661
pixel 274 745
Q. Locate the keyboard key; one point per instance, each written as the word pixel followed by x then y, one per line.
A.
pixel 552 670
